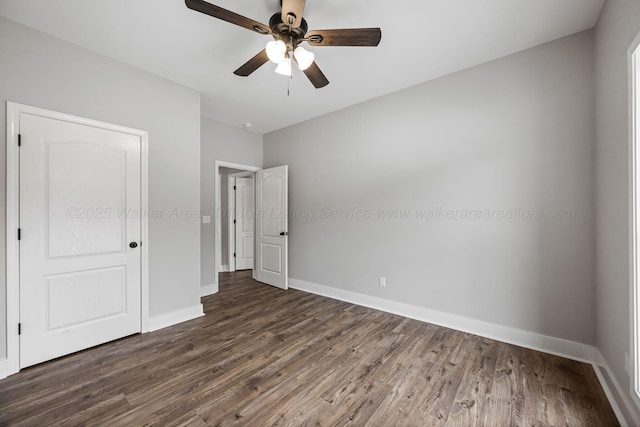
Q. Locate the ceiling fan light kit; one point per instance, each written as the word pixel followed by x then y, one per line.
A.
pixel 289 29
pixel 276 51
pixel 284 67
pixel 303 57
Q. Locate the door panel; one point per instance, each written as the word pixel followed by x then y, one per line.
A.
pixel 91 230
pixel 272 227
pixel 97 294
pixel 271 258
pixel 79 209
pixel 272 220
pixel 244 228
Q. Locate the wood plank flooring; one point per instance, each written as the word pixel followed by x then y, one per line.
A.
pixel 265 357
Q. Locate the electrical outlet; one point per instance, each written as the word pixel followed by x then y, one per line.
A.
pixel 206 219
pixel 383 282
pixel 627 363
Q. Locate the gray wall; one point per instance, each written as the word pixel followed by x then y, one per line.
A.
pixel 515 133
pixel 43 71
pixel 618 26
pixel 228 144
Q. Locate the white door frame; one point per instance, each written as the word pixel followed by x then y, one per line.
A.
pixel 11 364
pixel 232 206
pixel 634 219
pixel 217 209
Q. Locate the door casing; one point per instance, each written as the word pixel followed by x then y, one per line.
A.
pixel 11 364
pixel 633 58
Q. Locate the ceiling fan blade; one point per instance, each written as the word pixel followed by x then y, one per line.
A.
pixel 227 15
pixel 294 7
pixel 316 76
pixel 253 64
pixel 345 37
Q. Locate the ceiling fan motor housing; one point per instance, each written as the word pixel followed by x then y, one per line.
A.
pixel 282 31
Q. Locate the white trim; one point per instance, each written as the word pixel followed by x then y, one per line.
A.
pixel 634 222
pixel 217 225
pixel 175 317
pixel 10 365
pixel 231 227
pixel 626 414
pixel 224 268
pixel 217 210
pixel 208 290
pixel 552 345
pixel 144 235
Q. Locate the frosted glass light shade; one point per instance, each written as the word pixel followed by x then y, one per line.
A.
pixel 284 67
pixel 304 58
pixel 276 51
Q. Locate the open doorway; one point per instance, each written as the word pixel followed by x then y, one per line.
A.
pixel 228 216
pixel 221 252
pixel 270 219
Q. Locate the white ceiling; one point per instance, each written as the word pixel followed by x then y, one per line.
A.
pixel 421 40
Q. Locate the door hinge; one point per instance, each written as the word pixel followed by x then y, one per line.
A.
pixel 19 234
pixel 19 328
pixel 234 221
pixel 234 254
pixel 234 187
pixel 19 140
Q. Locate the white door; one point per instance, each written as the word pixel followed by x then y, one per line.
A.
pixel 271 227
pixel 80 234
pixel 244 226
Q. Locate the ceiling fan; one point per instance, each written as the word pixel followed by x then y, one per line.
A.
pixel 289 30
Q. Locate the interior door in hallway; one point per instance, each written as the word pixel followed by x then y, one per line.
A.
pixel 244 223
pixel 80 261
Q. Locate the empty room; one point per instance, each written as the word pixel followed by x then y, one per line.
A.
pixel 290 212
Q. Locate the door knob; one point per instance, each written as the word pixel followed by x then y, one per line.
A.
pixel 133 245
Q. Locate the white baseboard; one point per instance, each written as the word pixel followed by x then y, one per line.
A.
pixel 224 268
pixel 557 346
pixel 170 319
pixel 625 409
pixel 208 290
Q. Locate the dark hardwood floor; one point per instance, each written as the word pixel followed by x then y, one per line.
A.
pixel 263 357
